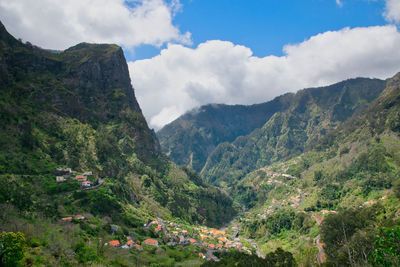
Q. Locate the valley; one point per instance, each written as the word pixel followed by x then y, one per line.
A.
pixel 307 179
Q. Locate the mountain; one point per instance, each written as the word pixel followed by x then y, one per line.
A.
pixel 191 138
pixel 310 114
pixel 77 109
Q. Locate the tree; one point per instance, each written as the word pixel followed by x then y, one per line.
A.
pixel 280 258
pixel 387 248
pixel 12 248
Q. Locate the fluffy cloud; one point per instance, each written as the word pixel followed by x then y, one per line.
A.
pixel 339 3
pixel 59 24
pixel 392 12
pixel 182 78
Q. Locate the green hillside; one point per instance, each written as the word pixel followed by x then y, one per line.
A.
pixel 348 181
pixel 310 115
pixel 191 138
pixel 76 109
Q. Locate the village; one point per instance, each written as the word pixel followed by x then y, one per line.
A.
pixel 208 240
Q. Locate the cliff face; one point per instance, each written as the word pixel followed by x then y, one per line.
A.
pixel 98 81
pixel 88 82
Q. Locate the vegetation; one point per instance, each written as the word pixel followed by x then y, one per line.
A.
pixel 234 258
pixel 12 248
pixel 309 115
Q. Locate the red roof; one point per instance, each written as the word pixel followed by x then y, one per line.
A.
pixel 137 246
pixel 114 243
pixel 151 241
pixel 86 182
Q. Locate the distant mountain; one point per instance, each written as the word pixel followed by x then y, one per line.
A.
pixel 309 115
pixel 191 138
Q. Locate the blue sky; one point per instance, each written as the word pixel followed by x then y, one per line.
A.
pixel 266 26
pixel 186 53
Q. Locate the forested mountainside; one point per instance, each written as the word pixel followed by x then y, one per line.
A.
pixel 73 114
pixel 310 114
pixel 191 138
pixel 337 203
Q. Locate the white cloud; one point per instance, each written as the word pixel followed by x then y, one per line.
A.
pixel 182 78
pixel 339 3
pixel 392 11
pixel 59 24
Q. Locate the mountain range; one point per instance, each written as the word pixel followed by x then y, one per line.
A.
pixel 308 178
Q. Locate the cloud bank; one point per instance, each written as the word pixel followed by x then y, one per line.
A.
pixel 181 78
pixel 392 11
pixel 59 24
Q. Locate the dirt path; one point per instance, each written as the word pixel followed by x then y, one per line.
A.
pixel 321 257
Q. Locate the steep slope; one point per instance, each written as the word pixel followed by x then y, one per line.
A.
pixel 77 109
pixel 348 183
pixel 311 113
pixel 192 137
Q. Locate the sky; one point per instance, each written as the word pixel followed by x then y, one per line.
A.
pixel 185 53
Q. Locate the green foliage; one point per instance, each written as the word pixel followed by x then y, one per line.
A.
pixel 278 258
pixel 349 235
pixel 387 248
pixel 84 253
pixel 12 248
pixel 396 188
pixel 273 224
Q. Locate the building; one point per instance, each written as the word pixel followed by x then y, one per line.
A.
pixel 86 184
pixel 151 242
pixel 138 247
pixel 66 219
pixel 80 177
pixel 114 243
pixel 60 179
pixel 79 217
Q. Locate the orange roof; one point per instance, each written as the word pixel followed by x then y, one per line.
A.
pixel 151 241
pixel 159 227
pixel 192 240
pixel 114 243
pixel 67 219
pixel 86 182
pixel 129 242
pixel 211 245
pixel 80 177
pixel 222 239
pixel 137 246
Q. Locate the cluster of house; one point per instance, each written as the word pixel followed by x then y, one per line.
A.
pixel 207 238
pixel 130 243
pixel 62 174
